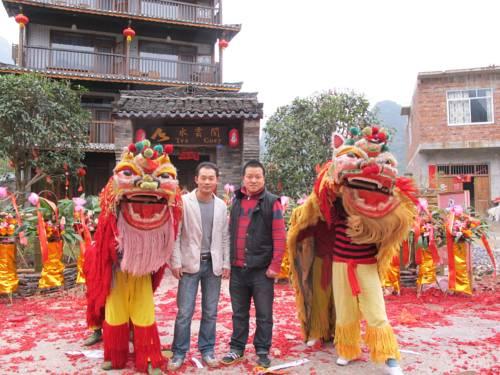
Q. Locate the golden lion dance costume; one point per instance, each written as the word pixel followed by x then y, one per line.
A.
pixel 425 238
pixel 133 244
pixel 461 229
pixel 344 237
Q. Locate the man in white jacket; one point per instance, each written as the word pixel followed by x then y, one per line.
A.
pixel 201 255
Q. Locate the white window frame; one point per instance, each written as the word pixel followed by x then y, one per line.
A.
pixel 480 97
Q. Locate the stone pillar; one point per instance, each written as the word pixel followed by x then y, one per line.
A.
pixel 123 133
pixel 250 140
pixel 229 162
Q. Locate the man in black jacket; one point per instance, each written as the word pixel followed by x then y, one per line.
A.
pixel 257 244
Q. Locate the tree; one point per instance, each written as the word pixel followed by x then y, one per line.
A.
pixel 43 127
pixel 298 137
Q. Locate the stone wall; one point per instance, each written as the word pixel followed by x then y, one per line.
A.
pixel 123 135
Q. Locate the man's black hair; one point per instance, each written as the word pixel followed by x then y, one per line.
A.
pixel 207 165
pixel 253 163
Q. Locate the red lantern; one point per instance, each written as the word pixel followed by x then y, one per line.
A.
pixel 234 138
pixel 223 43
pixel 81 172
pixel 22 20
pixel 129 33
pixel 140 135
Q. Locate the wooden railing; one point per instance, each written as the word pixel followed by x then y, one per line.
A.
pixel 73 61
pixel 85 63
pixel 161 9
pixel 173 70
pixel 101 132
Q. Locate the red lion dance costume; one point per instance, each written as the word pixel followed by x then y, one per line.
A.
pixel 343 238
pixel 133 244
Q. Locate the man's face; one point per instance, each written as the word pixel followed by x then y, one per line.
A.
pixel 206 180
pixel 253 180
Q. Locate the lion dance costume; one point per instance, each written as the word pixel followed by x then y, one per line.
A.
pixel 343 239
pixel 132 246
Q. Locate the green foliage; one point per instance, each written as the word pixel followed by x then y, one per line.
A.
pixel 42 127
pixel 298 137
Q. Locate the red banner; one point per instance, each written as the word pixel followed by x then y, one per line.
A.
pixel 432 176
pixel 189 155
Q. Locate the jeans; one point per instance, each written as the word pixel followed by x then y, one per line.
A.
pixel 186 298
pixel 243 285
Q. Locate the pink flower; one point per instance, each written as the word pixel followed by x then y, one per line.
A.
pixel 79 203
pixel 228 188
pixel 34 199
pixel 3 192
pixel 284 201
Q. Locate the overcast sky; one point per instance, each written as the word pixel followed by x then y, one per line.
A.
pixel 290 48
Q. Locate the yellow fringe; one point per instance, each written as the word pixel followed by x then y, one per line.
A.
pixel 322 319
pixel 382 343
pixel 302 217
pixel 348 340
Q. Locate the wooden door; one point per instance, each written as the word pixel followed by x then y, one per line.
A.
pixel 481 194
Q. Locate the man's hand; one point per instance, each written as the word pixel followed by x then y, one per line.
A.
pixel 226 273
pixel 177 272
pixel 271 274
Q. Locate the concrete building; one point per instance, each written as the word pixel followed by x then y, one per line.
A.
pixel 454 133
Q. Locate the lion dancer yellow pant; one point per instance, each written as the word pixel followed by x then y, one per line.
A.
pixel 357 293
pixel 131 300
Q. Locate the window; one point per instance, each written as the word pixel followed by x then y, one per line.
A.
pixel 84 52
pixel 470 107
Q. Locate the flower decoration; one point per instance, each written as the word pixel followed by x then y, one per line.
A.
pixel 8 226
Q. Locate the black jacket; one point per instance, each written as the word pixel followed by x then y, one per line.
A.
pixel 259 239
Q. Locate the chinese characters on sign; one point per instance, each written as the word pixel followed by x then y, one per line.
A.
pixel 183 135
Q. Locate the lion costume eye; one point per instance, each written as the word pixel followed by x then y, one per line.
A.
pixel 352 155
pixel 127 172
pixel 166 176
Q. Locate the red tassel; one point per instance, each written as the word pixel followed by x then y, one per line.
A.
pixel 147 348
pixel 490 253
pixel 451 262
pixel 42 234
pixel 407 187
pixel 116 344
pixel 418 256
pixel 406 252
pixel 434 251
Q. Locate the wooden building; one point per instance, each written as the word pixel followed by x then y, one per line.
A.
pixel 170 51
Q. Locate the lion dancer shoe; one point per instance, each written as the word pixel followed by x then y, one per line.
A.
pixel 140 212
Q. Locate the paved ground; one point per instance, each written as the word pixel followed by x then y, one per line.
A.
pixel 438 334
pixel 443 334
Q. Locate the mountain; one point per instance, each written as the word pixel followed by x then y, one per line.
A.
pixel 389 114
pixel 5 51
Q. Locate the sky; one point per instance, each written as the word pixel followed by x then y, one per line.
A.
pixel 293 48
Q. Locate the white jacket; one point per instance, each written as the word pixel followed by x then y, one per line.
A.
pixel 187 247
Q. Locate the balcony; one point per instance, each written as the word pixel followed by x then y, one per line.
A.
pixel 101 132
pixel 156 9
pixel 108 66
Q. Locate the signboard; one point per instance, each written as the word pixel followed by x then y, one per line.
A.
pixel 189 155
pixel 193 135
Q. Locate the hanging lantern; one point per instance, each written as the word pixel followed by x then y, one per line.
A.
pixel 140 135
pixel 234 138
pixel 22 20
pixel 223 43
pixel 129 33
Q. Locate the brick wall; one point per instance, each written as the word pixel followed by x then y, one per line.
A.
pixel 428 120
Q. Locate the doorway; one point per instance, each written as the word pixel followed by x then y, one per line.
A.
pixel 186 170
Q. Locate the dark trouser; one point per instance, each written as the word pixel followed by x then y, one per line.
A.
pixel 243 285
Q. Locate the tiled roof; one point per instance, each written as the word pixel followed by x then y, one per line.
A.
pixel 115 77
pixel 188 102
